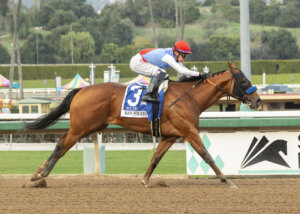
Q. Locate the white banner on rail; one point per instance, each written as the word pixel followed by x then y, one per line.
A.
pixel 248 153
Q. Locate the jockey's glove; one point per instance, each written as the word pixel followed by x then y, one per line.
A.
pixel 204 76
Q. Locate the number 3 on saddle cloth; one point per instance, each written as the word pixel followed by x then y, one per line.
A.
pixel 134 107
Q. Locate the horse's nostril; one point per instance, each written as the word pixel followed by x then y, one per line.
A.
pixel 258 102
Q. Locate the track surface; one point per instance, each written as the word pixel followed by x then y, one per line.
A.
pixel 105 194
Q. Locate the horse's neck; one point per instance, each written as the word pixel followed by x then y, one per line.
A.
pixel 208 94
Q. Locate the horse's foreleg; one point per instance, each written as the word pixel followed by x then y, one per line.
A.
pixel 161 149
pixel 198 145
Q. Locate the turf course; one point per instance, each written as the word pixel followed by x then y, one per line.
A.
pixel 117 162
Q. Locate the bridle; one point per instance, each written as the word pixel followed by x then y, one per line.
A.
pixel 243 89
pixel 240 90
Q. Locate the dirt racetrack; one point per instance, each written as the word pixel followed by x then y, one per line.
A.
pixel 126 194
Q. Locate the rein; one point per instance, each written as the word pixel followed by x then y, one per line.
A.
pixel 185 93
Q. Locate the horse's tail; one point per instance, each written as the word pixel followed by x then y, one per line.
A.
pixel 51 118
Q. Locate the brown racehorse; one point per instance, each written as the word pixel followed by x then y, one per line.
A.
pixel 93 108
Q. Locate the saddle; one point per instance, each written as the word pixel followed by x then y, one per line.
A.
pixel 134 107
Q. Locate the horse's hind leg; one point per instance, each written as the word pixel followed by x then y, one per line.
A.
pixel 62 146
pixel 196 142
pixel 162 148
pixel 39 170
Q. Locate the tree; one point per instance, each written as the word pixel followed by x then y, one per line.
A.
pixel 165 41
pixel 235 2
pixel 4 56
pixel 209 2
pixel 78 7
pixel 16 48
pixel 281 43
pixel 3 8
pixel 270 15
pixel 256 11
pixel 84 47
pixel 23 25
pixel 54 37
pixel 163 11
pixel 259 50
pixel 57 11
pixel 176 20
pixel 225 48
pixel 61 17
pixel 38 49
pixel 125 53
pixel 289 17
pixel 91 25
pixel 44 15
pixel 113 29
pixel 152 24
pixel 201 52
pixel 136 11
pixel 181 12
pixel 142 43
pixel 112 54
pixel 3 11
pixel 109 53
pixel 214 22
pixel 192 11
pixel 229 12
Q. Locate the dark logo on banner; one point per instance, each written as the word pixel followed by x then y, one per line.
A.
pixel 259 152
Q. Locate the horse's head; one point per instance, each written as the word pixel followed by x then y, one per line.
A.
pixel 243 89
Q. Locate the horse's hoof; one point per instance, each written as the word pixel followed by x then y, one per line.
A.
pixel 232 185
pixel 145 183
pixel 39 169
pixel 36 177
pixel 40 183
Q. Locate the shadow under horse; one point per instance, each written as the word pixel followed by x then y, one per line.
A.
pixel 93 108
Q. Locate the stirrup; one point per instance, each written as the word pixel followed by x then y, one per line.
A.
pixel 150 99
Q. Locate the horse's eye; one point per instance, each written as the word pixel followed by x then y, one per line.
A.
pixel 244 81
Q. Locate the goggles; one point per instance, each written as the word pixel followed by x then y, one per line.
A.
pixel 184 55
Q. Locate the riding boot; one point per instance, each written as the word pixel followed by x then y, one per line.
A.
pixel 151 95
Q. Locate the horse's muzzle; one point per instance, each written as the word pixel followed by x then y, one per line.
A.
pixel 253 104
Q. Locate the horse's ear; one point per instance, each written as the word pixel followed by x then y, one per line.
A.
pixel 231 65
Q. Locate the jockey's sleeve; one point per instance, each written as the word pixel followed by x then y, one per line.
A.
pixel 178 66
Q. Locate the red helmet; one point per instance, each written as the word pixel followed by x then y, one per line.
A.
pixel 182 46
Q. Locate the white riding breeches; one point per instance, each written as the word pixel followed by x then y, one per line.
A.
pixel 139 66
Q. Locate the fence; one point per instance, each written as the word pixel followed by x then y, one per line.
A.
pixel 240 142
pixel 10 124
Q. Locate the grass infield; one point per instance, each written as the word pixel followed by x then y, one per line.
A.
pixel 117 162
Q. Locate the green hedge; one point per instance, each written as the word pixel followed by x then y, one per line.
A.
pixel 34 72
pixel 257 66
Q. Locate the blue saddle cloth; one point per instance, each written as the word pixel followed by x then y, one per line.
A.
pixel 134 107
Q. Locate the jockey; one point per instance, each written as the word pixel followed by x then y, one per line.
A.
pixel 152 62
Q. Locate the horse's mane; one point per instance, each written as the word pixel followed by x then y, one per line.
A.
pixel 191 79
